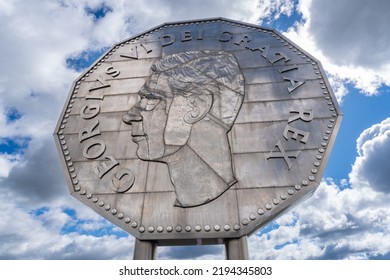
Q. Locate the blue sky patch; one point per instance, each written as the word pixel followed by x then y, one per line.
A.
pixel 281 246
pixel 283 22
pixel 360 112
pixel 84 60
pixel 79 226
pixel 14 145
pixel 38 212
pixel 12 114
pixel 268 228
pixel 98 12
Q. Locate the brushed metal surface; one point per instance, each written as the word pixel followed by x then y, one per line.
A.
pixel 180 151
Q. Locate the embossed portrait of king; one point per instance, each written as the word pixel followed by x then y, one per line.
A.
pixel 186 109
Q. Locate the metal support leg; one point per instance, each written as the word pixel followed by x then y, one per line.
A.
pixel 144 250
pixel 237 248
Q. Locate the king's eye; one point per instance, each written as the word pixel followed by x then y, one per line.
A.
pixel 151 104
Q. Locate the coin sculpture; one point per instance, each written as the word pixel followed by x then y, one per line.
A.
pixel 198 130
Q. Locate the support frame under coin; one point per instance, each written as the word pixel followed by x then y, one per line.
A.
pixel 198 132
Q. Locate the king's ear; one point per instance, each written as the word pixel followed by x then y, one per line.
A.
pixel 183 113
pixel 199 106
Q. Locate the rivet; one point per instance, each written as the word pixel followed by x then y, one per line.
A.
pixel 68 158
pixel 75 182
pixel 89 196
pixel 160 229
pixel 314 171
pixel 334 115
pixel 290 191
pixel 64 147
pixel 150 229
pixel 83 192
pixel 323 144
pixel 236 227
pixel 83 78
pixel 178 229
pixel 327 97
pixel 245 222
pixel 226 227
pixel 73 175
pixel 134 224
pixel 312 178
pixel 326 137
pixel 319 156
pixel 323 87
pixel 70 163
pixel 276 201
pixel 70 106
pixel 297 187
pixel 332 108
pixel 62 126
pixel 321 150
pixel 188 228
pixel 252 217
pixel 66 153
pixel 207 228
pixel 120 216
pixel 283 196
pixel 61 137
pixel 260 211
pixel 328 131
pixel 65 121
pixel 332 120
pixel 114 211
pixel 316 163
pixel 60 132
pixel 330 103
pixel 217 227
pixel 198 228
pixel 101 203
pixel 169 228
pixel 305 182
pixel 141 229
pixel 95 199
pixel 268 206
pixel 77 188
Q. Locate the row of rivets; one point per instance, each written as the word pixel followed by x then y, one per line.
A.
pixel 179 228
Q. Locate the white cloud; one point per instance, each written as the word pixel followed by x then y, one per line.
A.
pixel 349 38
pixel 24 235
pixel 333 224
pixel 7 162
pixel 372 165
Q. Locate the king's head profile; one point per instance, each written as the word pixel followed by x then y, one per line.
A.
pixel 186 108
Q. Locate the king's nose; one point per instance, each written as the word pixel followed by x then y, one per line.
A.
pixel 132 116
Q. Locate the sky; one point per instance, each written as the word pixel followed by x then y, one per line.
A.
pixel 46 44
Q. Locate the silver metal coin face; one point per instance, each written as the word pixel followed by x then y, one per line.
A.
pixel 198 130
